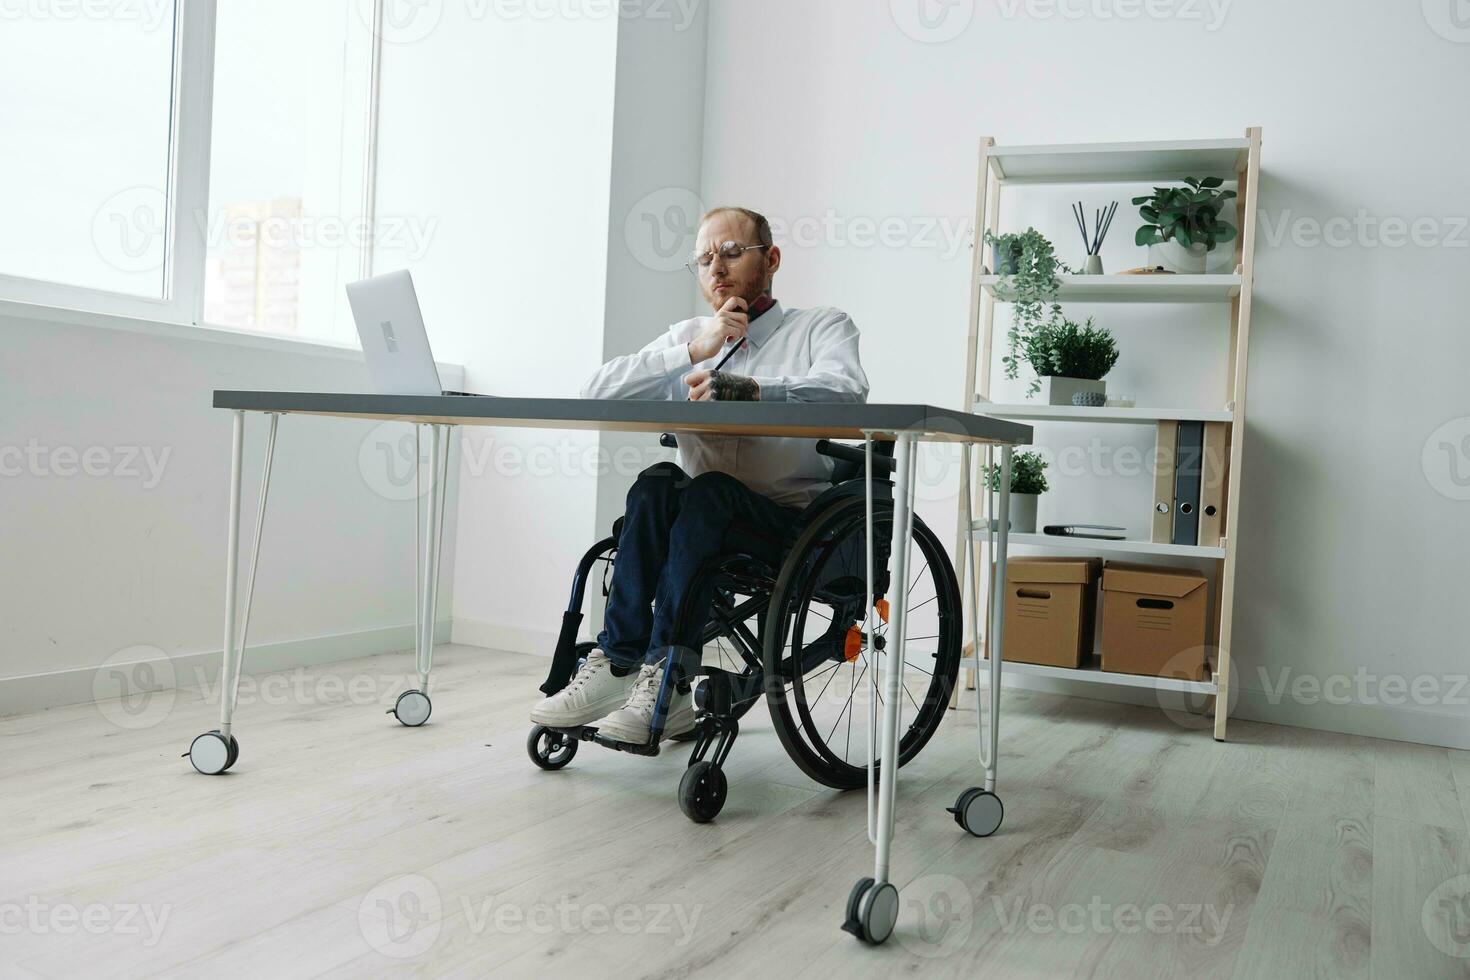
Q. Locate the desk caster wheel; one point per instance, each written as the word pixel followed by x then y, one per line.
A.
pixel 550 750
pixel 702 791
pixel 412 708
pixel 978 811
pixel 212 754
pixel 872 911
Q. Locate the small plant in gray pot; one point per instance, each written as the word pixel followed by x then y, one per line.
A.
pixel 1005 253
pixel 1070 359
pixel 1184 226
pixel 1028 482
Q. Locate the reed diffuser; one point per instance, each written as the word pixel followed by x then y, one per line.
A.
pixel 1102 220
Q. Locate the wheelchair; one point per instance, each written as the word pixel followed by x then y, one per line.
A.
pixel 795 635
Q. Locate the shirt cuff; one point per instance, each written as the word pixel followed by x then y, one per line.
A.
pixel 772 389
pixel 676 361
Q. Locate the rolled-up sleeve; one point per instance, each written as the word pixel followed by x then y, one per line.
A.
pixel 836 373
pixel 653 372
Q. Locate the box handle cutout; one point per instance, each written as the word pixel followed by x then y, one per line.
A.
pixel 1155 604
pixel 1032 594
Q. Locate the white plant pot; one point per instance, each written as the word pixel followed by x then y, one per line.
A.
pixel 1023 512
pixel 1059 391
pixel 1196 260
pixel 1176 258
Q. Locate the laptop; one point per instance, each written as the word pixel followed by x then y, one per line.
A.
pixel 394 340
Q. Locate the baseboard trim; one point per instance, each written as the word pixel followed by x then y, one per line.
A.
pixel 36 692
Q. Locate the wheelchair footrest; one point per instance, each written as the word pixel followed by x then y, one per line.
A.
pixel 586 733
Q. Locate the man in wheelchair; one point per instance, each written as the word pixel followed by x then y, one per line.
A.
pixel 731 493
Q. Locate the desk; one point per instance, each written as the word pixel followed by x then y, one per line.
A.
pixel 873 905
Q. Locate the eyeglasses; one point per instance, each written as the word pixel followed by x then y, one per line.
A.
pixel 729 251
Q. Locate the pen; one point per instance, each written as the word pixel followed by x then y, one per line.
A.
pixel 730 353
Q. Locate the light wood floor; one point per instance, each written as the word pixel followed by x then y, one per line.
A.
pixel 1131 847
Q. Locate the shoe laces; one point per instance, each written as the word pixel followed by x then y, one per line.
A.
pixel 645 690
pixel 593 667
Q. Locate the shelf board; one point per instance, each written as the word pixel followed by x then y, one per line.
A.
pixel 1130 547
pixel 1212 288
pixel 1119 162
pixel 1095 675
pixel 1073 413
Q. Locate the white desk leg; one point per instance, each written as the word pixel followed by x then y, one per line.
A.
pixel 217 750
pixel 978 809
pixel 872 907
pixel 413 706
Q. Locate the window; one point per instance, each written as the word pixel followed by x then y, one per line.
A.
pixel 285 228
pixel 189 162
pixel 85 111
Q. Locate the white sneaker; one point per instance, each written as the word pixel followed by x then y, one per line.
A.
pixel 592 693
pixel 631 722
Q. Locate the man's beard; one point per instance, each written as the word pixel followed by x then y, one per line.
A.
pixel 750 296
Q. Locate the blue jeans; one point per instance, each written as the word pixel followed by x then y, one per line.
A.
pixel 672 526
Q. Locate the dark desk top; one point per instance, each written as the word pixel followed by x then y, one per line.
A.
pixel 798 419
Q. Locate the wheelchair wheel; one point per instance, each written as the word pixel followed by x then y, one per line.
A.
pixel 813 643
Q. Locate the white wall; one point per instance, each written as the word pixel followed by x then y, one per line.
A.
pixel 499 130
pixel 653 215
pixel 1350 553
pixel 122 554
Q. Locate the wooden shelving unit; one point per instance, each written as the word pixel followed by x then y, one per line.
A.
pixel 1147 164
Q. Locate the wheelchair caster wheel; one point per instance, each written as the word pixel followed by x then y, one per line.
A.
pixel 702 791
pixel 212 754
pixel 978 811
pixel 550 750
pixel 412 708
pixel 872 911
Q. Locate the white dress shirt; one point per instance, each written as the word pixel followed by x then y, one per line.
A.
pixel 794 355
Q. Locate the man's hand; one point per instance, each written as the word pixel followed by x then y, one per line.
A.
pixel 705 386
pixel 730 324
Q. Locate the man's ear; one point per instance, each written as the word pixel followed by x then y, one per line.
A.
pixel 773 259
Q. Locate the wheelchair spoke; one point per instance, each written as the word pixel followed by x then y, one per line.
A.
pixel 828 684
pixel 845 707
pixel 921 605
pixel 917 577
pixel 848 747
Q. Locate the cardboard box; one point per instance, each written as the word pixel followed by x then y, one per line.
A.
pixel 1051 604
pixel 1150 617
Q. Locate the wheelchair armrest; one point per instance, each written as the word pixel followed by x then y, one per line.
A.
pixel 882 462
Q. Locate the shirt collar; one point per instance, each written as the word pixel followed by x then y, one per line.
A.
pixel 764 325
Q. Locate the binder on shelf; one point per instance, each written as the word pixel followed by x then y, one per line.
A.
pixel 1163 516
pixel 1212 484
pixel 1188 474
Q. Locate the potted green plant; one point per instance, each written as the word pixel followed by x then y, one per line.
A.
pixel 1028 482
pixel 1005 253
pixel 1184 225
pixel 1070 358
pixel 1030 285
